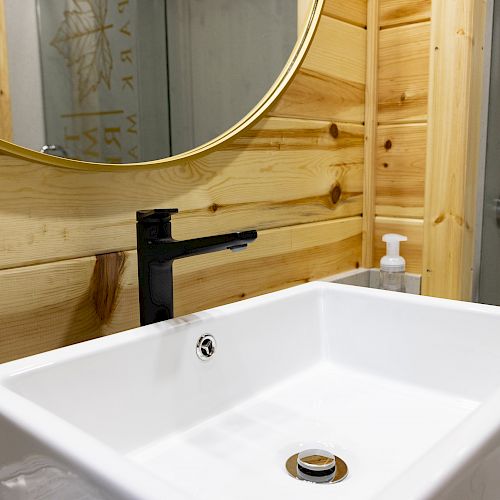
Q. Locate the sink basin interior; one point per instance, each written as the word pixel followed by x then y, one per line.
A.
pixel 379 378
pixel 364 419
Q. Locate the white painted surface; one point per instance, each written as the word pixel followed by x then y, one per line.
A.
pixel 25 76
pixel 402 387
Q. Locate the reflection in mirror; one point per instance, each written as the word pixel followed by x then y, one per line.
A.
pixel 123 81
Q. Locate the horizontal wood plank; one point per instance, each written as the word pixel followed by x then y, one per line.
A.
pixel 395 12
pixel 338 51
pixel 47 306
pixel 411 250
pixel 317 96
pixel 280 173
pixel 400 170
pixel 404 73
pixel 352 11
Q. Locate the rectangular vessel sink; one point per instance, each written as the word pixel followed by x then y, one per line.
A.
pixel 404 389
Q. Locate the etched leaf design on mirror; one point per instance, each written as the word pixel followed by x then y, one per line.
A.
pixel 81 39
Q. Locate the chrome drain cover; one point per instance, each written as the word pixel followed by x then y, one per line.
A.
pixel 205 347
pixel 317 466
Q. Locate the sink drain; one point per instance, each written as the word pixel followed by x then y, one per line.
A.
pixel 317 466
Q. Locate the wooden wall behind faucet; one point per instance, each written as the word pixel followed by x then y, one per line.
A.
pixel 403 82
pixel 67 237
pixel 426 146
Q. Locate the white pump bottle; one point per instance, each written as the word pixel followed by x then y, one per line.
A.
pixel 392 265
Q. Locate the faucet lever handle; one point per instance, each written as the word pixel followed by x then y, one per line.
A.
pixel 156 215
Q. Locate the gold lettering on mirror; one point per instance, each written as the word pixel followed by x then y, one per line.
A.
pixel 96 39
pixel 82 40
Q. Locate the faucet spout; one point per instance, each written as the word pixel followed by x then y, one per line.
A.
pixel 197 246
pixel 156 252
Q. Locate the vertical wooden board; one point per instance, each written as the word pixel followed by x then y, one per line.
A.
pixel 371 120
pixel 338 51
pixel 404 73
pixel 411 250
pixel 350 11
pixel 400 170
pixel 394 12
pixel 313 95
pixel 5 106
pixel 453 136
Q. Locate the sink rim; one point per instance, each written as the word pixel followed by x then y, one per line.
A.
pixel 448 458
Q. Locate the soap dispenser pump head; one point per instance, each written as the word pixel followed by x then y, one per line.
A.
pixel 392 261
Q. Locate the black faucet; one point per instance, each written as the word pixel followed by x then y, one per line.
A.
pixel 156 251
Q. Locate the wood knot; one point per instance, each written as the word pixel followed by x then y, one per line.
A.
pixel 105 284
pixel 213 207
pixel 386 165
pixel 357 265
pixel 388 145
pixel 402 97
pixel 439 219
pixel 334 131
pixel 335 194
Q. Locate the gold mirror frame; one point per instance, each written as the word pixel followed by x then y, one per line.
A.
pixel 280 85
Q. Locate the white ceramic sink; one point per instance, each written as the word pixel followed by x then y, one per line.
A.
pixel 403 388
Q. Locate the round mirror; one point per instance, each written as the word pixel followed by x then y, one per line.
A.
pixel 127 81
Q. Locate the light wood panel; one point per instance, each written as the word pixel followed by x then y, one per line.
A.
pixel 453 137
pixel 396 12
pixel 281 172
pixel 371 120
pixel 330 84
pixel 400 171
pixel 50 305
pixel 5 110
pixel 404 73
pixel 411 250
pixel 314 95
pixel 353 11
pixel 338 51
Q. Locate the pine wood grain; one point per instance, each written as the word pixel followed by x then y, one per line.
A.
pixel 404 73
pixel 50 305
pixel 317 96
pixel 338 51
pixel 371 120
pixel 5 107
pixel 331 81
pixel 395 12
pixel 400 171
pixel 411 250
pixel 452 156
pixel 353 11
pixel 281 172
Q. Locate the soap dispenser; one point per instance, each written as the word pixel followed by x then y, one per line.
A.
pixel 392 265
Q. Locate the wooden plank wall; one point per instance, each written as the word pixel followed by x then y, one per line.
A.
pixel 457 66
pixel 403 81
pixel 428 135
pixel 296 176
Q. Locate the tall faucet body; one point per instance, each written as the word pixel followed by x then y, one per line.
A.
pixel 156 252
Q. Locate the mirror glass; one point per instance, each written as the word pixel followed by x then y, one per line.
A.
pixel 123 81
